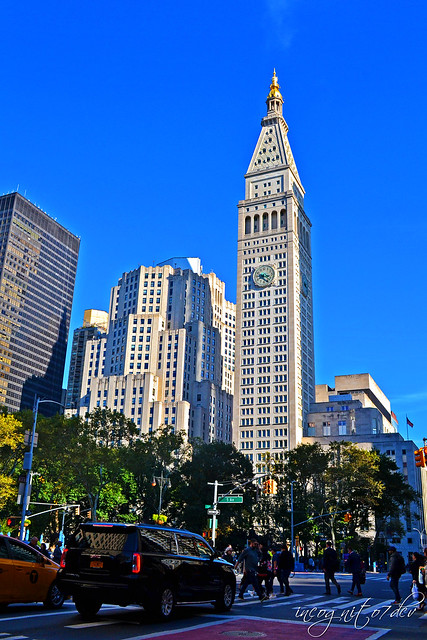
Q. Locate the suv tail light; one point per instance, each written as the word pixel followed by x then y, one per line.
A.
pixel 136 563
pixel 62 561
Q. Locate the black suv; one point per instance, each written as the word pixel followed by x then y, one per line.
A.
pixel 156 567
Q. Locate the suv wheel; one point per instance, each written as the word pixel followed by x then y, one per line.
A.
pixel 87 607
pixel 166 602
pixel 225 600
pixel 55 599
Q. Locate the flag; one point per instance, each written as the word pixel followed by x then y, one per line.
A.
pixel 393 415
pixel 408 422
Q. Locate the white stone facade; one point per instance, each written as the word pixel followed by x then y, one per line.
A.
pixel 168 354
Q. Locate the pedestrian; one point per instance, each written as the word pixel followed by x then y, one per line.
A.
pixel 44 550
pixel 57 554
pixel 354 566
pixel 396 570
pixel 264 570
pixel 286 566
pixel 418 562
pixel 330 565
pixel 250 558
pixel 276 571
pixel 228 554
pixel 34 543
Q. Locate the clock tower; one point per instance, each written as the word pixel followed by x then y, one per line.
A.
pixel 274 377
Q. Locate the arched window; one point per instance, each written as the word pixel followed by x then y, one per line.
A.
pixel 256 223
pixel 274 220
pixel 247 224
pixel 283 219
pixel 265 221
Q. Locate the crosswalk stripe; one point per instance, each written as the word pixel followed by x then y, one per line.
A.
pixel 342 599
pixel 291 600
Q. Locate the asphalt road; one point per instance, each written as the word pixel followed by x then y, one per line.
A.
pixel 307 614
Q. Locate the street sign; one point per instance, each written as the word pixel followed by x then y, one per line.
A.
pixel 229 499
pixel 208 506
pixel 27 438
pixel 213 512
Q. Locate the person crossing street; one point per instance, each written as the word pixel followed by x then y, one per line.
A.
pixel 330 565
pixel 250 558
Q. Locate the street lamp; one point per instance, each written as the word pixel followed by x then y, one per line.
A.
pixel 28 463
pixel 421 534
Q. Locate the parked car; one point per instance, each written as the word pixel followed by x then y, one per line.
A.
pixel 153 566
pixel 26 575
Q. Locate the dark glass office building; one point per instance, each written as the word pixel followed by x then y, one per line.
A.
pixel 38 264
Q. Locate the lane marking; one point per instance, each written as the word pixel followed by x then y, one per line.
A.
pixel 88 625
pixel 55 613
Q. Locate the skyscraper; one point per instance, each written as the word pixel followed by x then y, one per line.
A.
pixel 168 355
pixel 95 324
pixel 274 380
pixel 38 263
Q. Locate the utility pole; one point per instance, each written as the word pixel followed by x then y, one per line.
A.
pixel 292 518
pixel 215 484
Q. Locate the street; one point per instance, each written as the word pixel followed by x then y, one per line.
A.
pixel 307 613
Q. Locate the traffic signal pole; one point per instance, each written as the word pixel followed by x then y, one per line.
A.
pixel 215 484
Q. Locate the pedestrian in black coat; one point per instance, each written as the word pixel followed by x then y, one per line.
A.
pixel 354 566
pixel 330 565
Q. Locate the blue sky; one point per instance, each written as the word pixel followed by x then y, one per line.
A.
pixel 133 124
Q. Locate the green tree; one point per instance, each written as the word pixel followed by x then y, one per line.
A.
pixel 150 456
pixel 209 462
pixel 11 451
pixel 84 460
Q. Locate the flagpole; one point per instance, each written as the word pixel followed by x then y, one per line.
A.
pixel 407 431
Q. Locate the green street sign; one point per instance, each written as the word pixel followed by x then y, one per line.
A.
pixel 208 506
pixel 229 499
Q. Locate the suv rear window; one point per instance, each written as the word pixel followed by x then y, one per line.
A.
pixel 157 541
pixel 102 539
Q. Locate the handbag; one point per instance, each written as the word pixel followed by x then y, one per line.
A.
pixel 415 592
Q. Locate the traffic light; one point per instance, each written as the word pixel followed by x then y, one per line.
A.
pixel 270 487
pixel 13 521
pixel 420 457
pixel 77 510
pixel 347 517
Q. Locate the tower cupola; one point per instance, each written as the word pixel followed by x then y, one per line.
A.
pixel 274 98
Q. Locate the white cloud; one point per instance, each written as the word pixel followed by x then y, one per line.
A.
pixel 280 13
pixel 420 396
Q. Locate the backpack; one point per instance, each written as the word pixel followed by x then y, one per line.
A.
pixel 401 565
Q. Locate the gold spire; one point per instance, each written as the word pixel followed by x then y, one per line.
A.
pixel 274 88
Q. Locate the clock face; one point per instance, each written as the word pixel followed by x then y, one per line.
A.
pixel 304 285
pixel 263 276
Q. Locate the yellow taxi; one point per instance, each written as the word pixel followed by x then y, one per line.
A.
pixel 26 575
